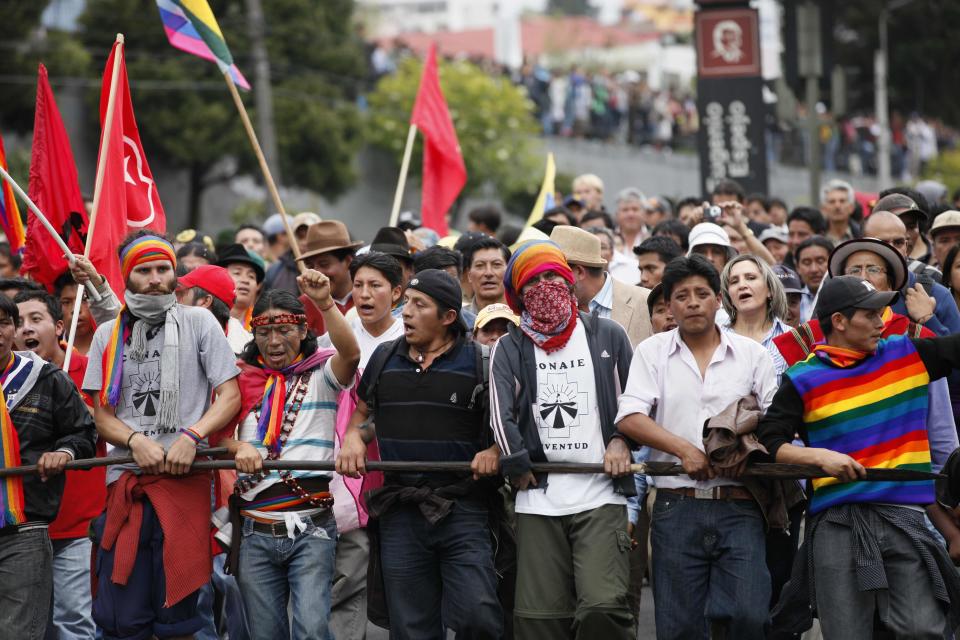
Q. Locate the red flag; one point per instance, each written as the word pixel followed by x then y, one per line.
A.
pixel 54 188
pixel 444 173
pixel 128 197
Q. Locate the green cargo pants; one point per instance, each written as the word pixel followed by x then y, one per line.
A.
pixel 573 574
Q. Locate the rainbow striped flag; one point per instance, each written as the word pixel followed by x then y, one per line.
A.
pixel 192 27
pixel 12 504
pixel 9 213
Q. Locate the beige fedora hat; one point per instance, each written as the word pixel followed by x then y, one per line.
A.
pixel 579 246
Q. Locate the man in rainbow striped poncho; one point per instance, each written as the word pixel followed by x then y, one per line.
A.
pixel 860 401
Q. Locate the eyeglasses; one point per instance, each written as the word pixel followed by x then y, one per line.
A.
pixel 284 330
pixel 870 270
pixel 898 242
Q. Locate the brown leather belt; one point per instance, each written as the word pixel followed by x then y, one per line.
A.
pixel 278 529
pixel 713 493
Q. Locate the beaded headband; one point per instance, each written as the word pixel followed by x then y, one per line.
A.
pixel 283 318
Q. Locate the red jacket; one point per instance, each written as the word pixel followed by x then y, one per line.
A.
pixel 85 491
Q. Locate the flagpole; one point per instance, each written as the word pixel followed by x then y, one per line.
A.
pixel 97 192
pixel 402 181
pixel 46 223
pixel 264 167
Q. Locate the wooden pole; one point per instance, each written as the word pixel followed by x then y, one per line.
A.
pixel 264 167
pixel 90 463
pixel 402 182
pixel 97 192
pixel 46 223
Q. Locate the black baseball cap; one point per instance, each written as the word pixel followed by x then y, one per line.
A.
pixel 893 201
pixel 845 292
pixel 788 278
pixel 442 287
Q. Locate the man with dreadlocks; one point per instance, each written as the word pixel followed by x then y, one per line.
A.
pixel 289 393
pixel 152 372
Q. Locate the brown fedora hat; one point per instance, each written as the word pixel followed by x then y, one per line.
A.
pixel 327 235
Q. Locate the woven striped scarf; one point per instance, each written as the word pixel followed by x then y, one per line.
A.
pixel 11 488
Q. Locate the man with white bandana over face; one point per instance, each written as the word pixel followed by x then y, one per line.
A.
pixel 153 371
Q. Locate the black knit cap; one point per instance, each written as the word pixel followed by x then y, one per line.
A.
pixel 441 286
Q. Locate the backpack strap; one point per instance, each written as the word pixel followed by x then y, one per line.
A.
pixel 374 368
pixel 481 392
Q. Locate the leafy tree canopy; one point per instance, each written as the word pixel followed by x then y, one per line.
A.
pixel 493 119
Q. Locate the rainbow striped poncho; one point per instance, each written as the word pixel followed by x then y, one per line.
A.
pixel 875 411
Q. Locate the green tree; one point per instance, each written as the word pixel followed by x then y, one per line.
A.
pixel 24 46
pixel 187 119
pixel 493 119
pixel 922 44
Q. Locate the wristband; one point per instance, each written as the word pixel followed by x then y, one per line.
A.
pixel 193 435
pixel 328 307
pixel 130 437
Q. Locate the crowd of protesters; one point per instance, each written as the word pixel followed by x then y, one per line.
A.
pixel 710 333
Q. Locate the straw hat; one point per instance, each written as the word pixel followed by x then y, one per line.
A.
pixel 579 246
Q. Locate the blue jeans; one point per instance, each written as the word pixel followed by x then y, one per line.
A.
pixel 708 565
pixel 72 613
pixel 278 572
pixel 440 576
pixel 221 593
pixel 26 584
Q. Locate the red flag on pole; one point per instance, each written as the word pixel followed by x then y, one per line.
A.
pixel 54 188
pixel 128 199
pixel 444 173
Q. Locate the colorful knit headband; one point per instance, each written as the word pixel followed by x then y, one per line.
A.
pixel 145 249
pixel 530 259
pixel 280 318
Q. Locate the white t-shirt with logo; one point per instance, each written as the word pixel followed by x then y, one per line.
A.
pixel 568 420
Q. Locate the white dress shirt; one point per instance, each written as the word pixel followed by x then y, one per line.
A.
pixel 665 384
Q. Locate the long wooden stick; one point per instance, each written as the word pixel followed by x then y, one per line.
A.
pixel 46 223
pixel 765 470
pixel 97 192
pixel 779 471
pixel 264 167
pixel 84 464
pixel 402 181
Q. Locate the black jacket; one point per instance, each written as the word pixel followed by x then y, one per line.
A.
pixel 513 389
pixel 49 414
pixel 282 274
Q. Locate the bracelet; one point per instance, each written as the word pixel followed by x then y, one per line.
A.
pixel 130 437
pixel 328 307
pixel 193 435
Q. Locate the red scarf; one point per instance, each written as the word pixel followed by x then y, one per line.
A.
pixel 549 315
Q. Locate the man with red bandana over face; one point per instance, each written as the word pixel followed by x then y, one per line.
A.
pixel 554 386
